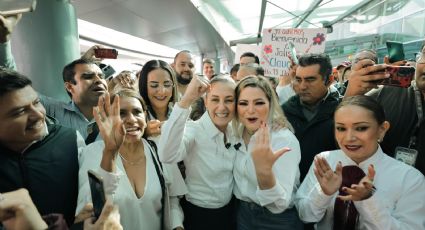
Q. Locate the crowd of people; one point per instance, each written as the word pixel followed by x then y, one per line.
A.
pixel 324 148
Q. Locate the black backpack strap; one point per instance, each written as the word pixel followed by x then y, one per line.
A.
pixel 93 131
pixel 158 166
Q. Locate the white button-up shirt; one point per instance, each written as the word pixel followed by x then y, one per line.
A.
pixel 209 164
pixel 398 203
pixel 285 169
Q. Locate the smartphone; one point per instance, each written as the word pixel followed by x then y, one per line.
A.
pixel 106 53
pixel 107 70
pixel 400 76
pixel 13 7
pixel 395 51
pixel 98 195
pixel 293 53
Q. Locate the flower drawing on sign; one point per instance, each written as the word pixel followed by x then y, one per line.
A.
pixel 268 49
pixel 318 39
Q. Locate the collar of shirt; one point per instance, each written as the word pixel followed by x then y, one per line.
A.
pixel 376 157
pixel 71 106
pixel 251 143
pixel 315 107
pixel 208 124
pixel 47 133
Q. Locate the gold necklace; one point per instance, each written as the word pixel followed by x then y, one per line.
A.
pixel 131 162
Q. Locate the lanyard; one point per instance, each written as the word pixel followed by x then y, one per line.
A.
pixel 419 111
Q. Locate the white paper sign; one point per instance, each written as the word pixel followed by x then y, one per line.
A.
pixel 275 47
pixel 243 48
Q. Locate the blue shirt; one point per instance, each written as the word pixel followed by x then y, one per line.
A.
pixel 68 115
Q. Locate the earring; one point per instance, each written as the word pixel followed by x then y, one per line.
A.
pixel 379 140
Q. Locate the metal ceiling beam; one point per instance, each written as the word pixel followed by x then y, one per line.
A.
pixel 350 12
pixel 310 10
pixel 263 13
pixel 246 41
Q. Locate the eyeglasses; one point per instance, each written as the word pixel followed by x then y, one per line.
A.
pixel 165 85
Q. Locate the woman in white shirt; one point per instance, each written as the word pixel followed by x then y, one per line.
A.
pixel 157 86
pixel 266 180
pixel 204 146
pixel 129 166
pixel 368 189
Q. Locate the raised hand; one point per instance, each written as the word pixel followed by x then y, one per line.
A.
pixel 6 26
pixel 110 125
pixel 109 219
pixel 364 77
pixel 196 88
pixel 125 79
pixel 89 54
pixel 153 128
pixel 329 180
pixel 17 211
pixel 264 158
pixel 363 190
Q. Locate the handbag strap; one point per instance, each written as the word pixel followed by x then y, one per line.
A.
pixel 158 168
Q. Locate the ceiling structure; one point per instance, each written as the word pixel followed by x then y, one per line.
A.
pixel 173 23
pixel 241 21
pixel 208 28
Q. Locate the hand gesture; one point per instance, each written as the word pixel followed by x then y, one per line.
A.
pixel 397 63
pixel 153 128
pixel 109 219
pixel 364 77
pixel 264 158
pixel 329 180
pixel 17 211
pixel 125 79
pixel 110 125
pixel 85 213
pixel 6 26
pixel 363 190
pixel 89 54
pixel 196 88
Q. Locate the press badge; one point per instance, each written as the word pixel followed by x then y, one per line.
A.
pixel 406 155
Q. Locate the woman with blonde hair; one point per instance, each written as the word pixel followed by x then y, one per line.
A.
pixel 266 167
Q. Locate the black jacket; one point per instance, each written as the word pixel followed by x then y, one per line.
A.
pixel 400 110
pixel 315 136
pixel 48 170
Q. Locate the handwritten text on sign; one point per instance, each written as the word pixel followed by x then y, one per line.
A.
pixel 276 50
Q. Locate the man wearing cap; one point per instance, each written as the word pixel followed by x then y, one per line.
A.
pixel 343 69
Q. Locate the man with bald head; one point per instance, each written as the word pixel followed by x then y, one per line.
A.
pixel 249 69
pixel 183 67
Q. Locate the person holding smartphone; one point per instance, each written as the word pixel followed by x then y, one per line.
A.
pixel 17 212
pixel 128 164
pixel 404 107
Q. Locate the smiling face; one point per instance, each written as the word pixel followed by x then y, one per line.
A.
pixel 22 118
pixel 220 104
pixel 160 88
pixel 183 66
pixel 357 132
pixel 89 84
pixel 133 117
pixel 208 69
pixel 253 108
